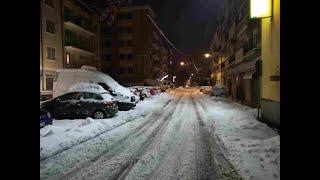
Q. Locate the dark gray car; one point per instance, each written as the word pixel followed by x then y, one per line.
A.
pixel 78 105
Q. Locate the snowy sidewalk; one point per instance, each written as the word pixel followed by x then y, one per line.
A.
pixel 252 146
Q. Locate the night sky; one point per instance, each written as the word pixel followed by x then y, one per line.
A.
pixel 188 24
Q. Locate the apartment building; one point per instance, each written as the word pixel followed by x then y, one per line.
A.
pixel 133 49
pixel 237 43
pixel 51 44
pixel 81 35
pixel 247 57
pixel 69 38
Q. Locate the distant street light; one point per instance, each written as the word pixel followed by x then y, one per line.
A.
pixel 207 55
pixel 191 74
pixel 182 63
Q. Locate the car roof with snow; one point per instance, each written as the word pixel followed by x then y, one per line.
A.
pixel 90 88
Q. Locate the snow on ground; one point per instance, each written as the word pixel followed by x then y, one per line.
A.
pixel 64 134
pixel 252 146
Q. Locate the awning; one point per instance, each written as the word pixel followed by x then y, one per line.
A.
pixel 248 75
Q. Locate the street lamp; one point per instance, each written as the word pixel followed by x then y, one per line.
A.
pixel 207 55
pixel 182 63
pixel 260 8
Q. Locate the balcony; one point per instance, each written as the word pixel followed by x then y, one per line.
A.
pixel 72 42
pixel 77 20
pixel 74 27
pixel 232 59
pixel 239 55
pixel 253 54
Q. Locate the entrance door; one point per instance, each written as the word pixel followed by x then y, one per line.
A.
pixel 255 89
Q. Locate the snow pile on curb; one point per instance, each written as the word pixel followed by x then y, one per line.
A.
pixel 252 146
pixel 64 134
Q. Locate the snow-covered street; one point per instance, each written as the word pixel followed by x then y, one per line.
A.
pixel 181 134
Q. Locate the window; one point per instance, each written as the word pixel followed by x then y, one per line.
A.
pixel 51 53
pixel 121 57
pixel 122 70
pixel 124 16
pixel 122 44
pixel 49 82
pixel 129 43
pixel 49 3
pixel 68 97
pixel 108 58
pixel 128 30
pixel 129 56
pixel 50 27
pixel 130 70
pixel 92 96
pixel 68 58
pixel 106 87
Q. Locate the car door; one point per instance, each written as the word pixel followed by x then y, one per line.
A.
pixel 79 107
pixel 66 105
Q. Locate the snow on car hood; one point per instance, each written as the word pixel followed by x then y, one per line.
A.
pixel 114 85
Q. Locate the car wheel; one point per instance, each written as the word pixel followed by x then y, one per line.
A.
pixel 98 115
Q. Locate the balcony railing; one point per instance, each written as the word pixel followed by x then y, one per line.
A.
pixel 73 40
pixel 232 59
pixel 78 20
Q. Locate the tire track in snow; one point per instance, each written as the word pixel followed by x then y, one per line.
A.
pixel 42 159
pixel 161 136
pixel 224 167
pixel 120 145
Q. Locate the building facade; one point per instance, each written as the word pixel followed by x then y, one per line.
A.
pixel 270 76
pixel 237 47
pixel 51 44
pixel 247 57
pixel 81 35
pixel 132 48
pixel 69 38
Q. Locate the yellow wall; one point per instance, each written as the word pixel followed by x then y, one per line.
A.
pixel 271 54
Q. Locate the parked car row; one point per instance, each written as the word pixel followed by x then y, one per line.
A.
pixel 86 92
pixel 146 91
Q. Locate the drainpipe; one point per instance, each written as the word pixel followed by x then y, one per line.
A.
pixel 41 39
pixel 62 31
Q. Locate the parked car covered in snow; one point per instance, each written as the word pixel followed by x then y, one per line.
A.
pixel 219 90
pixel 206 89
pixel 82 102
pixel 45 118
pixel 65 78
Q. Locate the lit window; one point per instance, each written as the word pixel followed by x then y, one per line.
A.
pixel 68 58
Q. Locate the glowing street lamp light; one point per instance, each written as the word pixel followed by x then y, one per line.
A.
pixel 207 55
pixel 182 63
pixel 191 74
pixel 260 8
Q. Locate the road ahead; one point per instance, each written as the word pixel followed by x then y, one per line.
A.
pixel 172 142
